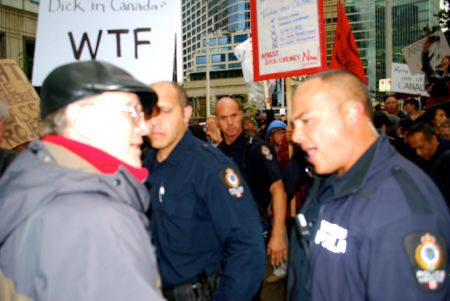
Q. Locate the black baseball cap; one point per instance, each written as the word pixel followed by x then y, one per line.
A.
pixel 75 81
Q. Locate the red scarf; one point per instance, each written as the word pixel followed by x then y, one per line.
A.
pixel 103 161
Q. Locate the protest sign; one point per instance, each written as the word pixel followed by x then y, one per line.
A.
pixel 23 122
pixel 438 49
pixel 288 38
pixel 137 35
pixel 403 81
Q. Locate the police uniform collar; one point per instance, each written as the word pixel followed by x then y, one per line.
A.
pixel 354 179
pixel 183 146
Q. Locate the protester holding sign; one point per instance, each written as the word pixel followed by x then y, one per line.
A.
pixel 437 80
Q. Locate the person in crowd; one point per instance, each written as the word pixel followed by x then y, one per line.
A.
pixel 434 116
pixel 444 130
pixel 6 155
pixel 411 106
pixel 424 140
pixel 251 126
pixel 258 166
pixel 401 141
pixel 370 202
pixel 72 221
pixel 392 106
pixel 276 137
pixel 436 79
pixel 381 122
pixel 275 134
pixel 212 131
pixel 203 218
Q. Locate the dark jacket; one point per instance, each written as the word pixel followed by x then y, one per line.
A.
pixel 204 220
pixel 73 234
pixel 366 229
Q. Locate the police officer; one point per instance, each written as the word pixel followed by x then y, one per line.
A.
pixel 258 164
pixel 382 227
pixel 204 221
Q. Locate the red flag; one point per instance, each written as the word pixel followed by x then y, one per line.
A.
pixel 345 51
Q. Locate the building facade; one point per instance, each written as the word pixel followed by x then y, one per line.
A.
pixel 381 29
pixel 18 26
pixel 211 29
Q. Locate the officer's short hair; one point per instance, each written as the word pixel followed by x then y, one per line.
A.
pixel 422 127
pixel 350 85
pixel 181 92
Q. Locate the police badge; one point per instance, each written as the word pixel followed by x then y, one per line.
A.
pixel 233 183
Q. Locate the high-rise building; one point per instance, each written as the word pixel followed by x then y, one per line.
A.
pixel 212 28
pixel 382 28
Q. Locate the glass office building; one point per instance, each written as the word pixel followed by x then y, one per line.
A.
pixel 375 38
pixel 212 29
pixel 226 23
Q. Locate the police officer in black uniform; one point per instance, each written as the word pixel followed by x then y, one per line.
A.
pixel 375 227
pixel 204 222
pixel 257 163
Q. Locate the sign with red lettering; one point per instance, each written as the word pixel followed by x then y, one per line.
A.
pixel 288 38
pixel 137 35
pixel 23 122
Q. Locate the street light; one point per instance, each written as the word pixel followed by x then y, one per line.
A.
pixel 208 88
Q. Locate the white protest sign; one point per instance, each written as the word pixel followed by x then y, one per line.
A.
pixel 288 38
pixel 403 81
pixel 137 35
pixel 384 85
pixel 438 49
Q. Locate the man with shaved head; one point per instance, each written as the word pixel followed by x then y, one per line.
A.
pixel 203 219
pixel 374 227
pixel 259 167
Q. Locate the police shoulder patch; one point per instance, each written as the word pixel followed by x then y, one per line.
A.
pixel 427 253
pixel 233 182
pixel 265 151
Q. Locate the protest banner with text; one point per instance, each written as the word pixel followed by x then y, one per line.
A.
pixel 403 81
pixel 288 38
pixel 137 35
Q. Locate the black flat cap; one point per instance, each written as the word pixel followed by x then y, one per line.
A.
pixel 74 81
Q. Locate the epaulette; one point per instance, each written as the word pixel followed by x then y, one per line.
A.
pixel 416 200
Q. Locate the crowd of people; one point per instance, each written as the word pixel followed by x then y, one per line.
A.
pixel 124 198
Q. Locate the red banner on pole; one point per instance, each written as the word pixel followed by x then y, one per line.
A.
pixel 345 51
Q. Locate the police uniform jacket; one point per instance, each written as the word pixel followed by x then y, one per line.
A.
pixel 382 233
pixel 202 214
pixel 257 162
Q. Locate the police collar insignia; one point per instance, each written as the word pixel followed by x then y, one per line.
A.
pixel 265 151
pixel 233 183
pixel 428 258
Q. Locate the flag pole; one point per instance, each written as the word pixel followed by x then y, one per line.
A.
pixel 289 119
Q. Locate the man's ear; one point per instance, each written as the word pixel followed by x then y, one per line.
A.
pixel 187 113
pixel 354 111
pixel 77 120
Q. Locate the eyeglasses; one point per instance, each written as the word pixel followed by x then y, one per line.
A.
pixel 135 114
